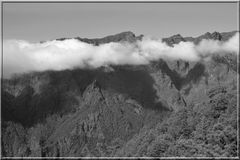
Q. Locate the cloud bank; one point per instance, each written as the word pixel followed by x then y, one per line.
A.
pixel 21 56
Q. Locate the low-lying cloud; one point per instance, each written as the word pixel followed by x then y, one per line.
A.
pixel 21 56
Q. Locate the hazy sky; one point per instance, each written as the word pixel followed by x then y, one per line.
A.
pixel 44 21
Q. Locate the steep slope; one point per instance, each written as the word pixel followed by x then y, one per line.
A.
pixel 144 110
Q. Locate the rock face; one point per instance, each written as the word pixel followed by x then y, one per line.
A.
pixel 160 109
pixel 174 39
pixel 214 36
pixel 121 37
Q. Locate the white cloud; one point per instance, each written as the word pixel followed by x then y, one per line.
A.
pixel 22 56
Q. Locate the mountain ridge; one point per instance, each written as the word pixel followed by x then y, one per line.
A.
pixel 175 39
pixel 162 109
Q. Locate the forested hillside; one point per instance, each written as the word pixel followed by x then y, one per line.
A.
pixel 168 108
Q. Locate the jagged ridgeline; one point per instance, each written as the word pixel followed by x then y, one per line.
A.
pixel 124 36
pixel 165 108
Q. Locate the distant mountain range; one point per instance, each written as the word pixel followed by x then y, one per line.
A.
pixel 214 36
pixel 168 108
pixel 124 36
pixel 175 39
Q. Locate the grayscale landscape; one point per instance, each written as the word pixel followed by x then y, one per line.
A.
pixel 122 95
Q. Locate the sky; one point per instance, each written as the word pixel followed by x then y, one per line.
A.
pixel 36 22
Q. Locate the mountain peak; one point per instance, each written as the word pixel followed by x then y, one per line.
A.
pixel 127 36
pixel 175 39
pixel 126 33
pixel 216 36
pixel 177 35
pixel 207 34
